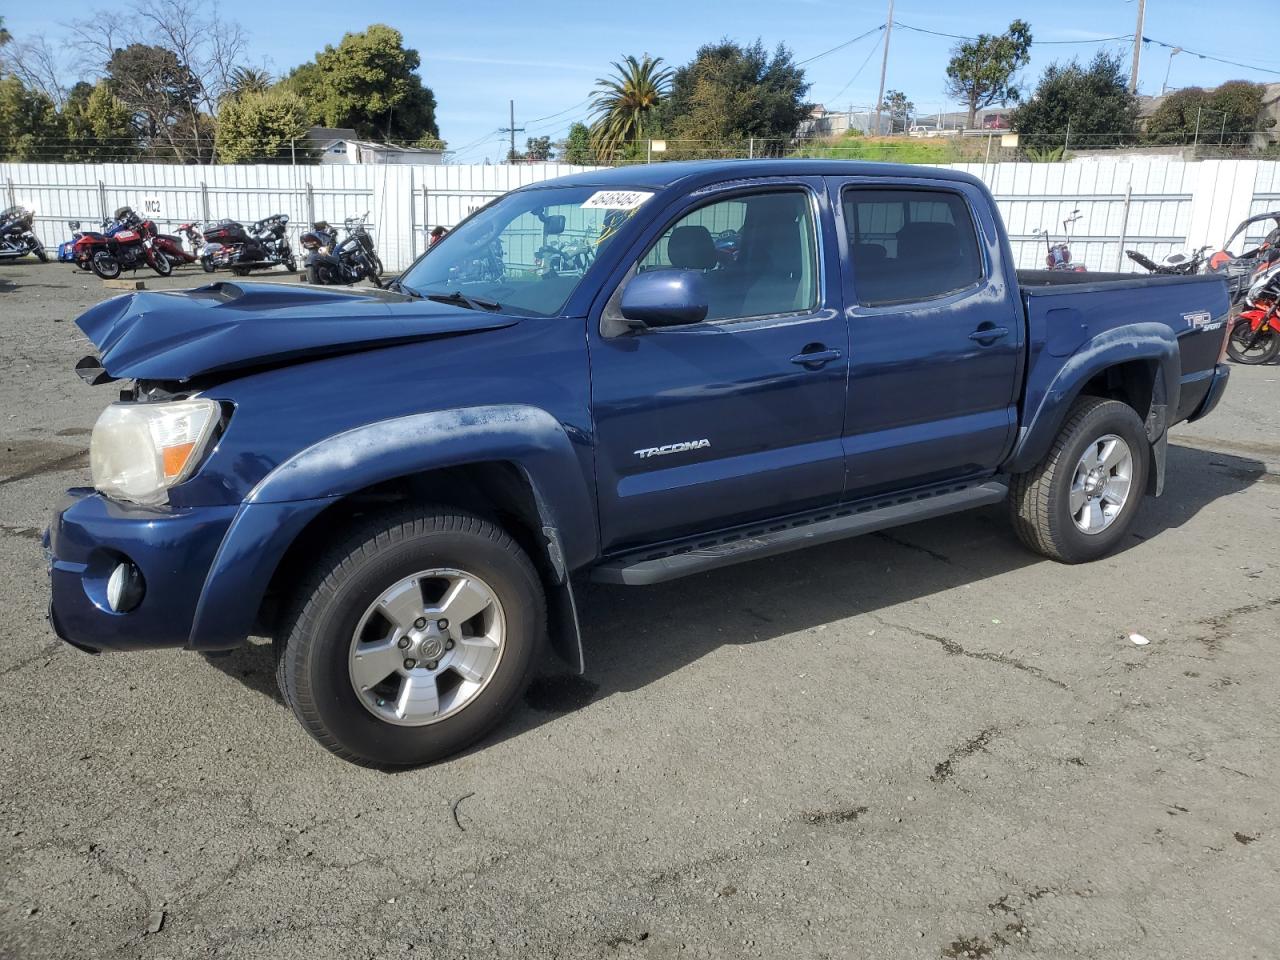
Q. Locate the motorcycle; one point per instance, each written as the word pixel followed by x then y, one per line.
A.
pixel 263 245
pixel 1058 255
pixel 16 238
pixel 1241 269
pixel 1255 333
pixel 1179 264
pixel 571 258
pixel 350 261
pixel 120 248
pixel 168 245
pixel 67 249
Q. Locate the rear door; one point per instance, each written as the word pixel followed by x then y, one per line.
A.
pixel 739 417
pixel 936 333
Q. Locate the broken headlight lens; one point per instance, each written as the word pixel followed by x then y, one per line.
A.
pixel 139 450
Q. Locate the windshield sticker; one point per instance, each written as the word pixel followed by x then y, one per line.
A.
pixel 616 199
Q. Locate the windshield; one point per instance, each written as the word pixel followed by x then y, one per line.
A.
pixel 527 252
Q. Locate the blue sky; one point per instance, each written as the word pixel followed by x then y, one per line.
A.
pixel 478 54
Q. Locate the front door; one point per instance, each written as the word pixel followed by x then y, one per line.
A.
pixel 738 417
pixel 936 334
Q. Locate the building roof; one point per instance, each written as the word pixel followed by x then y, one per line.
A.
pixel 329 134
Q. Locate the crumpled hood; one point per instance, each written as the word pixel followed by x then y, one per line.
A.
pixel 177 335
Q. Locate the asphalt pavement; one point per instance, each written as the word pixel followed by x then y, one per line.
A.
pixel 922 743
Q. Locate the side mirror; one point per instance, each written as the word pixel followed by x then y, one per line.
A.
pixel 665 298
pixel 73 224
pixel 553 225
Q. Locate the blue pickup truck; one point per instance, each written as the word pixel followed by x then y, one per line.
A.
pixel 621 376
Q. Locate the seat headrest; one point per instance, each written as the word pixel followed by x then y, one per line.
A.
pixel 691 248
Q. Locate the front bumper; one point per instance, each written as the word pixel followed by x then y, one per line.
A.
pixel 1217 386
pixel 173 549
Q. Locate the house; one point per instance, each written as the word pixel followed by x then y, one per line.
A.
pixel 342 145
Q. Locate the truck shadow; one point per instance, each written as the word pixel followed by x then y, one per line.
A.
pixel 634 636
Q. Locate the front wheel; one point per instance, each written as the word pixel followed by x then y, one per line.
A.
pixel 375 270
pixel 105 265
pixel 1246 346
pixel 413 637
pixel 161 264
pixel 206 264
pixel 38 249
pixel 1078 503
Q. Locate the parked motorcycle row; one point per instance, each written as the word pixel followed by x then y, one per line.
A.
pixel 126 241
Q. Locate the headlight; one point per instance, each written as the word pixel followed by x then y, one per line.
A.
pixel 139 450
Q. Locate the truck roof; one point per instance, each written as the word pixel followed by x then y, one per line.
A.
pixel 695 173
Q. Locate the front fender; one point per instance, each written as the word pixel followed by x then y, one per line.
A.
pixel 1045 409
pixel 295 492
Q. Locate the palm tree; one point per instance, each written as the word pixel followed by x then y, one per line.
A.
pixel 249 80
pixel 623 104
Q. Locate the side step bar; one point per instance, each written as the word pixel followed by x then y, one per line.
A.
pixel 763 540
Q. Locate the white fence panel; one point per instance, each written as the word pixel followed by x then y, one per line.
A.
pixel 1154 205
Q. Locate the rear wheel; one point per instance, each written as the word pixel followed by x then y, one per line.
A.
pixel 1078 503
pixel 105 265
pixel 413 638
pixel 240 271
pixel 1246 346
pixel 206 263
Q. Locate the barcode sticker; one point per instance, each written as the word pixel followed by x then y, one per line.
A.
pixel 616 199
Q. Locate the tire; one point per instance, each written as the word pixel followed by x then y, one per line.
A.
pixel 38 249
pixel 207 265
pixel 1040 500
pixel 375 268
pixel 291 265
pixel 161 264
pixel 240 271
pixel 335 610
pixel 1265 350
pixel 105 265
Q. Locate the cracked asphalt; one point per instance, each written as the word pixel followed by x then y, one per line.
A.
pixel 926 743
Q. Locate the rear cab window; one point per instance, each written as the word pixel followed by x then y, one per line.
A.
pixel 909 245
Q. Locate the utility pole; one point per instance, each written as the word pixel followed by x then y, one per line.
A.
pixel 884 65
pixel 1137 47
pixel 513 130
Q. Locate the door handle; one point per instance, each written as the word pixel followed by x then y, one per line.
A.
pixel 988 334
pixel 815 356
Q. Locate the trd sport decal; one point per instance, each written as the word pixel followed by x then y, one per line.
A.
pixel 681 447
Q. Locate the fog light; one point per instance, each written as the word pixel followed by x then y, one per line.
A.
pixel 124 588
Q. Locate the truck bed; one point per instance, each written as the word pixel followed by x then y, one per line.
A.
pixel 1066 312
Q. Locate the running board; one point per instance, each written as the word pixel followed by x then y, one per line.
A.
pixel 763 540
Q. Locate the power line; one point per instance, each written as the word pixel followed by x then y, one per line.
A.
pixel 957 36
pixel 870 53
pixel 840 46
pixel 1206 56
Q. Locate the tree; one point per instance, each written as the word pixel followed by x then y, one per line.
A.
pixel 577 146
pixel 5 35
pixel 99 125
pixel 899 109
pixel 625 104
pixel 1231 113
pixel 30 127
pixel 248 80
pixel 163 95
pixel 263 126
pixel 368 82
pixel 729 93
pixel 1093 103
pixel 981 71
pixel 537 148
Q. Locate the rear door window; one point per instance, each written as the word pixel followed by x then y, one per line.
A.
pixel 910 245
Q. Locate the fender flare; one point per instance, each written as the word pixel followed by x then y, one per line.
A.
pixel 300 488
pixel 1152 342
